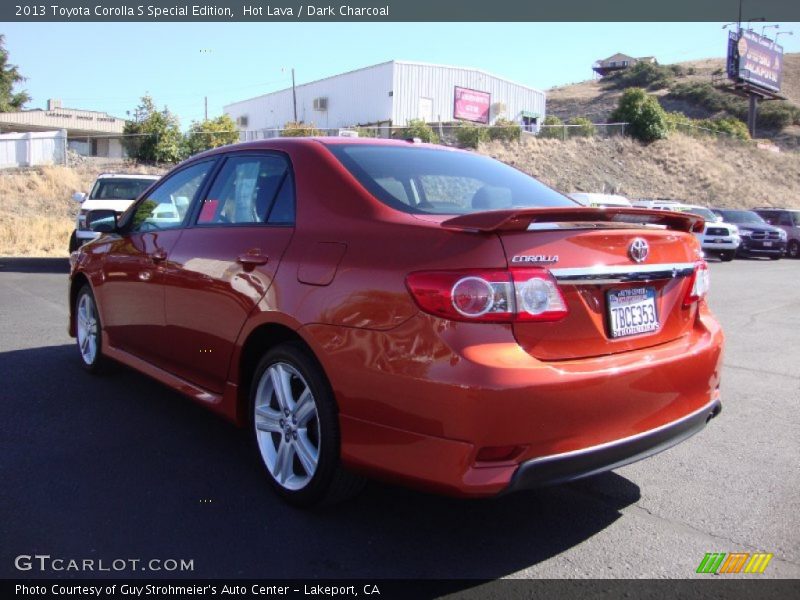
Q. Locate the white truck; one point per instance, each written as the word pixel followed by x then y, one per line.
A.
pixel 115 191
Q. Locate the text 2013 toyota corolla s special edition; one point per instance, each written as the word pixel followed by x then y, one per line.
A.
pixel 405 311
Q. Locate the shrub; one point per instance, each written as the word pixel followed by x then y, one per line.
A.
pixel 552 127
pixel 292 129
pixel 585 128
pixel 730 125
pixel 469 135
pixel 505 130
pixel 367 132
pixel 647 120
pixel 644 75
pixel 417 128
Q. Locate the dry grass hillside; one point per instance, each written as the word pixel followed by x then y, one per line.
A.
pixel 37 213
pixel 596 99
pixel 704 171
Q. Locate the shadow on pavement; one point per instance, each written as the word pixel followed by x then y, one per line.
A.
pixel 118 466
pixel 34 265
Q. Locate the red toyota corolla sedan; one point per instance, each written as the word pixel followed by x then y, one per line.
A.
pixel 404 311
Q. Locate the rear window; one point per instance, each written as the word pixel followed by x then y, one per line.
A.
pixel 119 189
pixel 426 180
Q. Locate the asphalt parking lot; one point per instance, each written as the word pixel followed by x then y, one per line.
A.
pixel 119 467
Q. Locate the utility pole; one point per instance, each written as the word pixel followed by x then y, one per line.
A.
pixel 294 97
pixel 206 109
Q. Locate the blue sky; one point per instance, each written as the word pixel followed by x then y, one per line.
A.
pixel 108 66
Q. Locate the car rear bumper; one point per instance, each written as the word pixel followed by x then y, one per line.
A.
pixel 569 466
pixel 421 413
pixel 757 248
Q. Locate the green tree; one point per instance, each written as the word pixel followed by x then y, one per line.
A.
pixel 552 127
pixel 211 133
pixel 153 135
pixel 9 77
pixel 646 120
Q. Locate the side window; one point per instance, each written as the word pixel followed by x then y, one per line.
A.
pixel 786 219
pixel 245 190
pixel 166 206
pixel 282 212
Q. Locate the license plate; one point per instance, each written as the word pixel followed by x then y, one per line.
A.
pixel 719 241
pixel 767 244
pixel 632 311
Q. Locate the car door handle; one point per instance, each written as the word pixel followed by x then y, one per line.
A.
pixel 158 256
pixel 251 260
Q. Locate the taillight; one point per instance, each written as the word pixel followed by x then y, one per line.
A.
pixel 701 281
pixel 494 296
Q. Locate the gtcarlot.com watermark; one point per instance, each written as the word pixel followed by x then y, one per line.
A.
pixel 45 563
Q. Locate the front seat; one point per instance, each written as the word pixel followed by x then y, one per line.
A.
pixel 491 198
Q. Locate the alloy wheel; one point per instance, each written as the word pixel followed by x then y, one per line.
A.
pixel 87 329
pixel 287 426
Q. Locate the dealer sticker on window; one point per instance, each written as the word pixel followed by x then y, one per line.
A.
pixel 632 311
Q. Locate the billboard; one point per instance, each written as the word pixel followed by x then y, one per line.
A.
pixel 472 105
pixel 755 59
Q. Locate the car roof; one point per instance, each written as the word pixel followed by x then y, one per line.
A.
pixel 279 143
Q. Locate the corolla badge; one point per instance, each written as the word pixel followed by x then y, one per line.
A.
pixel 535 258
pixel 638 250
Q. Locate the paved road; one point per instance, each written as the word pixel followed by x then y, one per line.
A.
pixel 119 467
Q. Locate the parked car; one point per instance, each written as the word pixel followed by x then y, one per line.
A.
pixel 115 191
pixel 789 221
pixel 759 238
pixel 718 238
pixel 405 311
pixel 599 200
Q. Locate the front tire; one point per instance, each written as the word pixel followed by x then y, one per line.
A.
pixel 726 256
pixel 89 331
pixel 295 428
pixel 793 251
pixel 74 244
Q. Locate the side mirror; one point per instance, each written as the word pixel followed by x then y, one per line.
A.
pixel 102 220
pixel 79 196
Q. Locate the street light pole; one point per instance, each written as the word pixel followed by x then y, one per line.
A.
pixel 294 97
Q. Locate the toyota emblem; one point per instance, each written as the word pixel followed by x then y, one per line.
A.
pixel 638 250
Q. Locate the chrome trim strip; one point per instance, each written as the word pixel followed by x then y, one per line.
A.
pixel 621 274
pixel 711 406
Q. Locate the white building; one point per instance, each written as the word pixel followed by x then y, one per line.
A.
pixel 89 132
pixel 391 94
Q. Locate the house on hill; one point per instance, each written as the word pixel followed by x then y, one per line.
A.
pixel 618 62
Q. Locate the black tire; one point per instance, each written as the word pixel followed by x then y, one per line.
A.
pixel 775 257
pixel 97 363
pixel 726 256
pixel 330 482
pixel 793 250
pixel 73 242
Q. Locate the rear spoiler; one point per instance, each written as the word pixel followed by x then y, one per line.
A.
pixel 519 219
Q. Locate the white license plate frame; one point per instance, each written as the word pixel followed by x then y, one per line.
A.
pixel 632 311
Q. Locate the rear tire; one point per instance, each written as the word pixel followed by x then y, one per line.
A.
pixel 89 331
pixel 294 425
pixel 793 251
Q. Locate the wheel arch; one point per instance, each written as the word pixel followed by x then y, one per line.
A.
pixel 76 283
pixel 259 340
